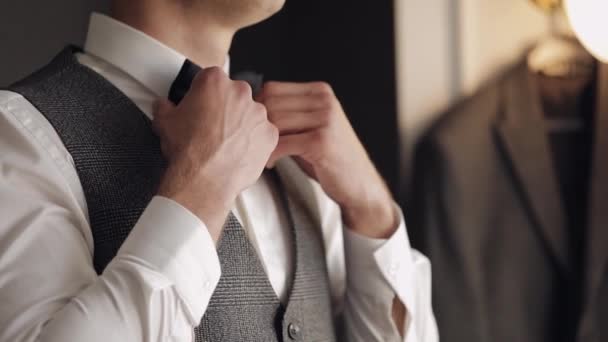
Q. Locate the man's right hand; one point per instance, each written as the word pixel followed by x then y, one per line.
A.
pixel 217 142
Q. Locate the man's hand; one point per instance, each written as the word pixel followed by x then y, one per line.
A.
pixel 315 131
pixel 217 142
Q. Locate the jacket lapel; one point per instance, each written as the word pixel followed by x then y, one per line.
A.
pixel 525 144
pixel 597 242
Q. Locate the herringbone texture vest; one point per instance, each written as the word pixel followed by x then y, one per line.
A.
pixel 119 163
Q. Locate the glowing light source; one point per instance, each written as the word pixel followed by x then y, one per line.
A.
pixel 589 21
pixel 548 5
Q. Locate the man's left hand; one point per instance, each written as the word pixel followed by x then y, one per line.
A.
pixel 315 131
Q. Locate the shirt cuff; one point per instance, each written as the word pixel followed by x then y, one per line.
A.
pixel 381 268
pixel 171 240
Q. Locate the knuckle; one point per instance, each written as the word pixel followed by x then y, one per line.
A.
pixel 274 133
pixel 327 100
pixel 323 88
pixel 243 89
pixel 212 74
pixel 260 110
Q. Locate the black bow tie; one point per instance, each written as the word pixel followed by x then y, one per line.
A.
pixel 182 83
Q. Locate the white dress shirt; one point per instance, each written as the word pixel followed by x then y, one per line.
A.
pixel 158 286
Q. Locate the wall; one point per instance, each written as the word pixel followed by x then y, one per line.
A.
pixel 494 33
pixel 33 31
pixel 426 66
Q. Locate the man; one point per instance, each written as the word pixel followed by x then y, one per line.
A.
pixel 127 216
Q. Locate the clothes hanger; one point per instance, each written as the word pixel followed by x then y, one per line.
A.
pixel 560 57
pixel 559 54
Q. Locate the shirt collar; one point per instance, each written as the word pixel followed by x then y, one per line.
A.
pixel 144 58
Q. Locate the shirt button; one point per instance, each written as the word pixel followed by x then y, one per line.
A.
pixel 294 331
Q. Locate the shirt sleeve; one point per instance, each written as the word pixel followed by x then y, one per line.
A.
pixel 377 271
pixel 157 288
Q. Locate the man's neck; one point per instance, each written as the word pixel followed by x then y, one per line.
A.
pixel 186 30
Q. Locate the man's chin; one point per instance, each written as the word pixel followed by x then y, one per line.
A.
pixel 275 6
pixel 244 13
pixel 268 8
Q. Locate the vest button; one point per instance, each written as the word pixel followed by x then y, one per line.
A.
pixel 294 331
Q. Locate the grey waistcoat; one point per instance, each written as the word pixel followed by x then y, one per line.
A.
pixel 119 163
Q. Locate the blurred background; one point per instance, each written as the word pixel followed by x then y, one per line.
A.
pixel 396 66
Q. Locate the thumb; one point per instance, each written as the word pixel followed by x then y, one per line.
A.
pixel 162 108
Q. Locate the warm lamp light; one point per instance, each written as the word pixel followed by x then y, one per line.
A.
pixel 589 22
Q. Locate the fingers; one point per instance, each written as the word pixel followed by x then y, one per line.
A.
pixel 273 88
pixel 211 81
pixel 298 122
pixel 300 103
pixel 212 75
pixel 259 109
pixel 303 113
pixel 295 107
pixel 162 109
pixel 293 145
pixel 273 134
pixel 243 89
